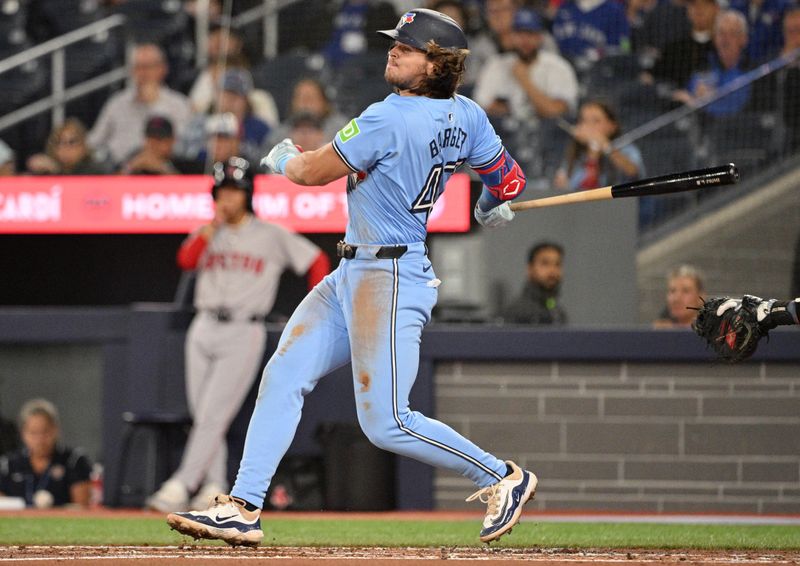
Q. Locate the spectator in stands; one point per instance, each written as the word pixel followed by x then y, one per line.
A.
pixel 307 131
pixel 665 23
pixel 42 472
pixel 728 63
pixel 591 160
pixel 636 12
pixel 587 30
pixel 353 25
pixel 120 127
pixel 528 82
pixel 496 38
pixel 224 44
pixel 206 89
pixel 8 164
pixel 309 97
pixel 764 23
pixel 66 153
pixel 790 78
pixel 155 156
pixel 237 84
pixel 456 10
pixel 538 302
pixel 684 56
pixel 684 294
pixel 222 142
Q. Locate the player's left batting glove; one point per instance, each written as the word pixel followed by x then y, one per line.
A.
pixel 279 155
pixel 494 217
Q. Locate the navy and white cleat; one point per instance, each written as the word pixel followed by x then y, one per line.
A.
pixel 504 501
pixel 226 519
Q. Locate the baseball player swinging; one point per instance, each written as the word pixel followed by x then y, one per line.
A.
pixel 239 261
pixel 397 156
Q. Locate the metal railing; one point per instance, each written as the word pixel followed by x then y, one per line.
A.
pixel 60 94
pixel 267 12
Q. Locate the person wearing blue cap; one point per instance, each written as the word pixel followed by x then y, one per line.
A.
pixel 529 82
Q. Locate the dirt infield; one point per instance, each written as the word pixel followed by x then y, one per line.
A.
pixel 191 554
pixel 196 555
pixel 309 556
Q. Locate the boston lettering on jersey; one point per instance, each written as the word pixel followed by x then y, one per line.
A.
pixel 234 261
pixel 449 137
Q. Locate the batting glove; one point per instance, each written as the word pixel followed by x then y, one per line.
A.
pixel 279 156
pixel 494 217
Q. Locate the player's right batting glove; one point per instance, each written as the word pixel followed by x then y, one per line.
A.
pixel 279 155
pixel 494 217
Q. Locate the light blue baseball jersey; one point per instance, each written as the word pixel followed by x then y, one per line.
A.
pixel 394 185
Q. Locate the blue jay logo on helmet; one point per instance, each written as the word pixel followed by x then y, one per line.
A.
pixel 419 26
pixel 407 18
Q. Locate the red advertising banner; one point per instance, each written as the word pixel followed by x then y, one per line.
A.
pixel 178 204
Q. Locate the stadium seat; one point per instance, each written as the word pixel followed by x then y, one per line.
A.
pixel 13 35
pixel 165 435
pixel 359 82
pixel 23 84
pixel 610 75
pixel 158 21
pixel 637 103
pixel 50 18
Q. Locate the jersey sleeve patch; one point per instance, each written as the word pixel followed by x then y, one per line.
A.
pixel 350 131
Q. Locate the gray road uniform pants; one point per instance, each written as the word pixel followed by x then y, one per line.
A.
pixel 222 362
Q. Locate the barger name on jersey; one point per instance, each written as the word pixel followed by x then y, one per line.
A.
pixel 449 137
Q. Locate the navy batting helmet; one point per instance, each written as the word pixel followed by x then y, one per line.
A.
pixel 419 26
pixel 234 173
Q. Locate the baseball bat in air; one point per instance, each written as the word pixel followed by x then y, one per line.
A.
pixel 665 184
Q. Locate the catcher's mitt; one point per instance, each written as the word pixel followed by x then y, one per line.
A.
pixel 733 327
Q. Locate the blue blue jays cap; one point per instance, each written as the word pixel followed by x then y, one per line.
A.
pixel 527 19
pixel 419 26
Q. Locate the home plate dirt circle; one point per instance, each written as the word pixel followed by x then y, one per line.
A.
pixel 339 556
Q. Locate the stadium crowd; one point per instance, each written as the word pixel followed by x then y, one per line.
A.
pixel 560 79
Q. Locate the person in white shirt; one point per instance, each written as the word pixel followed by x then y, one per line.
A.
pixel 528 83
pixel 119 130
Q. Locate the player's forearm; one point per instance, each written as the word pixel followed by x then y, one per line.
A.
pixel 308 169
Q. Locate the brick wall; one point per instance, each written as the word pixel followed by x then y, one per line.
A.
pixel 652 437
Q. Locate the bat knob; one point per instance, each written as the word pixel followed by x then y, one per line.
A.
pixel 733 171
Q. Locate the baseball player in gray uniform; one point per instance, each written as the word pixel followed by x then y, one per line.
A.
pixel 239 261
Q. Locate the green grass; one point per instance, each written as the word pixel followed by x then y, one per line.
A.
pixel 336 532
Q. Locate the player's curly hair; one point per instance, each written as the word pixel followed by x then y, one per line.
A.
pixel 448 72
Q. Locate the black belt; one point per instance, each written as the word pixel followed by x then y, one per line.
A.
pixel 224 315
pixel 348 251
